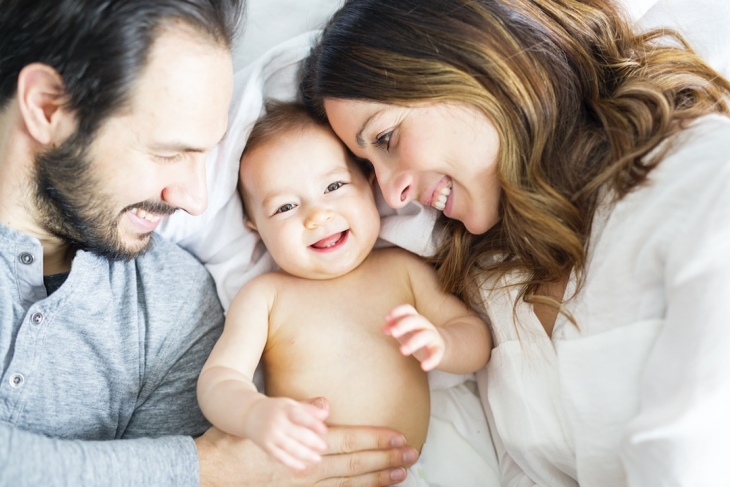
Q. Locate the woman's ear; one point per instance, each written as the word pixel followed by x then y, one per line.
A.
pixel 41 99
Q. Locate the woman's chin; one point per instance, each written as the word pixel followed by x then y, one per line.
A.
pixel 479 227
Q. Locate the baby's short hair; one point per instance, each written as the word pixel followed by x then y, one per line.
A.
pixel 280 118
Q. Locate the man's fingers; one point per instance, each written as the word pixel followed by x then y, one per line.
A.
pixel 346 439
pixel 375 479
pixel 368 462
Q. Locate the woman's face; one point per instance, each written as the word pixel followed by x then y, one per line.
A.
pixel 441 154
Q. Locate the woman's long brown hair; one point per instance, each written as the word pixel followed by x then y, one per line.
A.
pixel 578 98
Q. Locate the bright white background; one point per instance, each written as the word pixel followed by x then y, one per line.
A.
pixel 270 22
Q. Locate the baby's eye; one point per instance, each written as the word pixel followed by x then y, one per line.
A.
pixel 334 186
pixel 285 208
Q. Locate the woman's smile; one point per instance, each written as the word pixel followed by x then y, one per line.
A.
pixel 427 146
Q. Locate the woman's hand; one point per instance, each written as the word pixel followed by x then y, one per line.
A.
pixel 416 335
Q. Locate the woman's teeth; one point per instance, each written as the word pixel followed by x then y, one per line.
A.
pixel 440 202
pixel 143 214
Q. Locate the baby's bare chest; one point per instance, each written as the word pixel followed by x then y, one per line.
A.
pixel 325 312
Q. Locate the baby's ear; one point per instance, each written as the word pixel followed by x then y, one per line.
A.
pixel 372 181
pixel 250 224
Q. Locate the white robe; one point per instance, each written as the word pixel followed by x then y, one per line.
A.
pixel 639 392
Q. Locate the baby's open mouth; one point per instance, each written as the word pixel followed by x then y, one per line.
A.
pixel 331 241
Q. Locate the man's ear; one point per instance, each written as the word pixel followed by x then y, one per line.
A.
pixel 41 97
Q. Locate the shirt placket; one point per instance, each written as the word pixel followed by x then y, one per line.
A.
pixel 32 317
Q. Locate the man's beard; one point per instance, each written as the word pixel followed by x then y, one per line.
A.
pixel 72 205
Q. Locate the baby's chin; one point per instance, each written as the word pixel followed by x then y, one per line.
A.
pixel 321 274
pixel 329 270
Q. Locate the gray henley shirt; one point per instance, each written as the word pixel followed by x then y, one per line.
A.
pixel 97 381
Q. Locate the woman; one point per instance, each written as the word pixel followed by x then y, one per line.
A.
pixel 583 171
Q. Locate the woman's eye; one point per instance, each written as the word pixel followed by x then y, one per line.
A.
pixel 334 186
pixel 384 140
pixel 285 208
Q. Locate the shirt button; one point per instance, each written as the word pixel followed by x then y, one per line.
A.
pixel 16 381
pixel 36 318
pixel 26 258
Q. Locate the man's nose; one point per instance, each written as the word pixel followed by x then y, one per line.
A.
pixel 189 190
pixel 318 216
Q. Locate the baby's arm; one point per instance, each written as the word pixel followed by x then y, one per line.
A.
pixel 290 431
pixel 440 330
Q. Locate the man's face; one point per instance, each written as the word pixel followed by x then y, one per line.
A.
pixel 108 194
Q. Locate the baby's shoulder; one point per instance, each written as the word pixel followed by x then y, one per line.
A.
pixel 394 255
pixel 261 289
pixel 397 256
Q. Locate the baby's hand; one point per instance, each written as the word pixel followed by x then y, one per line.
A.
pixel 289 431
pixel 416 335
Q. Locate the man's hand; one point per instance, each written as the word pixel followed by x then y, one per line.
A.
pixel 417 336
pixel 365 456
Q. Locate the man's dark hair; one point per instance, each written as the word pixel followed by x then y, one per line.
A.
pixel 99 47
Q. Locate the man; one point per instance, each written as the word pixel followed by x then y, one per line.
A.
pixel 107 111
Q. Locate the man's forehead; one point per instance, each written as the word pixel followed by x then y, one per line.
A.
pixel 182 94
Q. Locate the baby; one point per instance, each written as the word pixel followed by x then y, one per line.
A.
pixel 339 319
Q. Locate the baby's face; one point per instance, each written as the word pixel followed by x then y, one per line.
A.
pixel 314 209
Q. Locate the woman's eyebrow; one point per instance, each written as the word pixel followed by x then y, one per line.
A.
pixel 358 138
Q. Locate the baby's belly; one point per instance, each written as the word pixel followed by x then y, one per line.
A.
pixel 366 384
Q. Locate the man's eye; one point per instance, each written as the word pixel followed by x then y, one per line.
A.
pixel 285 208
pixel 384 140
pixel 174 158
pixel 334 186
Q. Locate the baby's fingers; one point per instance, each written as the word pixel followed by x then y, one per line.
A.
pixel 293 454
pixel 432 359
pixel 426 347
pixel 399 312
pixel 405 325
pixel 310 417
pixel 418 342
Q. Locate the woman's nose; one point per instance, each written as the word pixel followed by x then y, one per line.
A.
pixel 318 216
pixel 397 191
